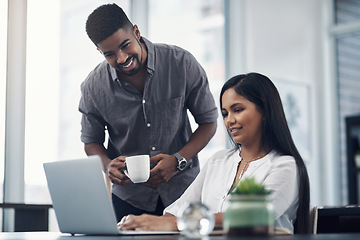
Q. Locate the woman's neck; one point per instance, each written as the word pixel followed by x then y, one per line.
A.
pixel 253 153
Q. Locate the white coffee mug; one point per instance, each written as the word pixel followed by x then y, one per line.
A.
pixel 138 168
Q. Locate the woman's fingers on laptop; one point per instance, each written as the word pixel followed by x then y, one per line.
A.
pixel 131 222
pixel 146 222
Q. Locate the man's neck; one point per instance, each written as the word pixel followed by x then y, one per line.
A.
pixel 137 80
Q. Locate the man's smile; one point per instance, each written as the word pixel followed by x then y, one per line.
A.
pixel 129 64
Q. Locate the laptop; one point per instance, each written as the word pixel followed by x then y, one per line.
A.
pixel 81 199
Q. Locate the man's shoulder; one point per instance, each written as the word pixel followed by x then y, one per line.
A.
pixel 96 75
pixel 164 53
pixel 171 51
pixel 159 46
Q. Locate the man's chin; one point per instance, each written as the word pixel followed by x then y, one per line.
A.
pixel 129 73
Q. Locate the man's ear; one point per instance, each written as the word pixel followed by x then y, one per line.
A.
pixel 100 51
pixel 136 32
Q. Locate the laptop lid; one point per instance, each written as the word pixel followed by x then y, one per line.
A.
pixel 81 199
pixel 80 196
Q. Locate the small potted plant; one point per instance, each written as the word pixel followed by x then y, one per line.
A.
pixel 249 212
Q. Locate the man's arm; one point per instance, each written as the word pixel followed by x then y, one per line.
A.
pixel 98 149
pixel 111 167
pixel 198 140
pixel 166 166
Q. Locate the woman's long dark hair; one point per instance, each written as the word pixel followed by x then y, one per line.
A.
pixel 260 90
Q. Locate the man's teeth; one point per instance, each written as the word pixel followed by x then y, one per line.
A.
pixel 128 65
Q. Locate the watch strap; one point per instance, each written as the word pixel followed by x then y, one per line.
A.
pixel 178 156
pixel 182 162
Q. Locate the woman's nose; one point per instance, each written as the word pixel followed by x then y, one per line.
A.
pixel 230 119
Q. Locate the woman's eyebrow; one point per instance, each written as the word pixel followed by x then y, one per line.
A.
pixel 235 105
pixel 232 106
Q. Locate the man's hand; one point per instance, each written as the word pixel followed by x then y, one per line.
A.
pixel 114 173
pixel 163 171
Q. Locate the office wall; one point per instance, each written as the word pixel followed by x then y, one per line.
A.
pixel 286 40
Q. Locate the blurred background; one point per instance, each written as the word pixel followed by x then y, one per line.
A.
pixel 310 49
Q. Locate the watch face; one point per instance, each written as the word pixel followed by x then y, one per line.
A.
pixel 182 164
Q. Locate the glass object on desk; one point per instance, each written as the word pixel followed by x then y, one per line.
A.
pixel 196 221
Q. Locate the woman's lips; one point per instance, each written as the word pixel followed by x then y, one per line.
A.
pixel 234 131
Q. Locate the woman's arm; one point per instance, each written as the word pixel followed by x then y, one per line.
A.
pixel 166 222
pixel 146 222
pixel 218 220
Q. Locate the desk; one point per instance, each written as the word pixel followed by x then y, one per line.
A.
pixel 29 217
pixel 59 236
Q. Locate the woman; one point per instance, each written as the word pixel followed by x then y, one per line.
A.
pixel 264 149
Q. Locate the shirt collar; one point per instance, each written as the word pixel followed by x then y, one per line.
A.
pixel 150 54
pixel 268 156
pixel 112 72
pixel 264 159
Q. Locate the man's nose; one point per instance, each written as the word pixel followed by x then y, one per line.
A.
pixel 121 57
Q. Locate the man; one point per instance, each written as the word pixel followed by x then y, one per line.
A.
pixel 140 95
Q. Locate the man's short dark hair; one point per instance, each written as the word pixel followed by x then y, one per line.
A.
pixel 105 21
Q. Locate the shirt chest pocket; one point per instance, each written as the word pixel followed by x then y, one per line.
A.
pixel 165 117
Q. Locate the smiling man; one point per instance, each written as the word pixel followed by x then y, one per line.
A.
pixel 140 95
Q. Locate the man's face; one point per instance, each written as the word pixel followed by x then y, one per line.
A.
pixel 123 51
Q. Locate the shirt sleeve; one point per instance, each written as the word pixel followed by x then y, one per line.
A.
pixel 92 125
pixel 200 100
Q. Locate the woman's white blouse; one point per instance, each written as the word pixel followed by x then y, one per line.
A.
pixel 211 186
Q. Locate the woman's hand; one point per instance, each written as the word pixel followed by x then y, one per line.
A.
pixel 146 222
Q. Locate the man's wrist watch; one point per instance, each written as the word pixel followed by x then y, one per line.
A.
pixel 181 161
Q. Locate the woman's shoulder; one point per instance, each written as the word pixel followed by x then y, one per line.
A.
pixel 224 154
pixel 278 159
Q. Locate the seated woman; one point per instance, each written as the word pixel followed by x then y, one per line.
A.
pixel 264 149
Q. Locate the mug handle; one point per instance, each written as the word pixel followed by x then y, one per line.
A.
pixel 126 173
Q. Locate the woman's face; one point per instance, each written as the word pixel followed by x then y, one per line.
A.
pixel 241 118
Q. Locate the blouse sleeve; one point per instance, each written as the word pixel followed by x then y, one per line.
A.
pixel 192 194
pixel 283 181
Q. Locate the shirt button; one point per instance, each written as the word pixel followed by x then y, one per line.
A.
pixel 148 125
pixel 144 101
pixel 153 148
